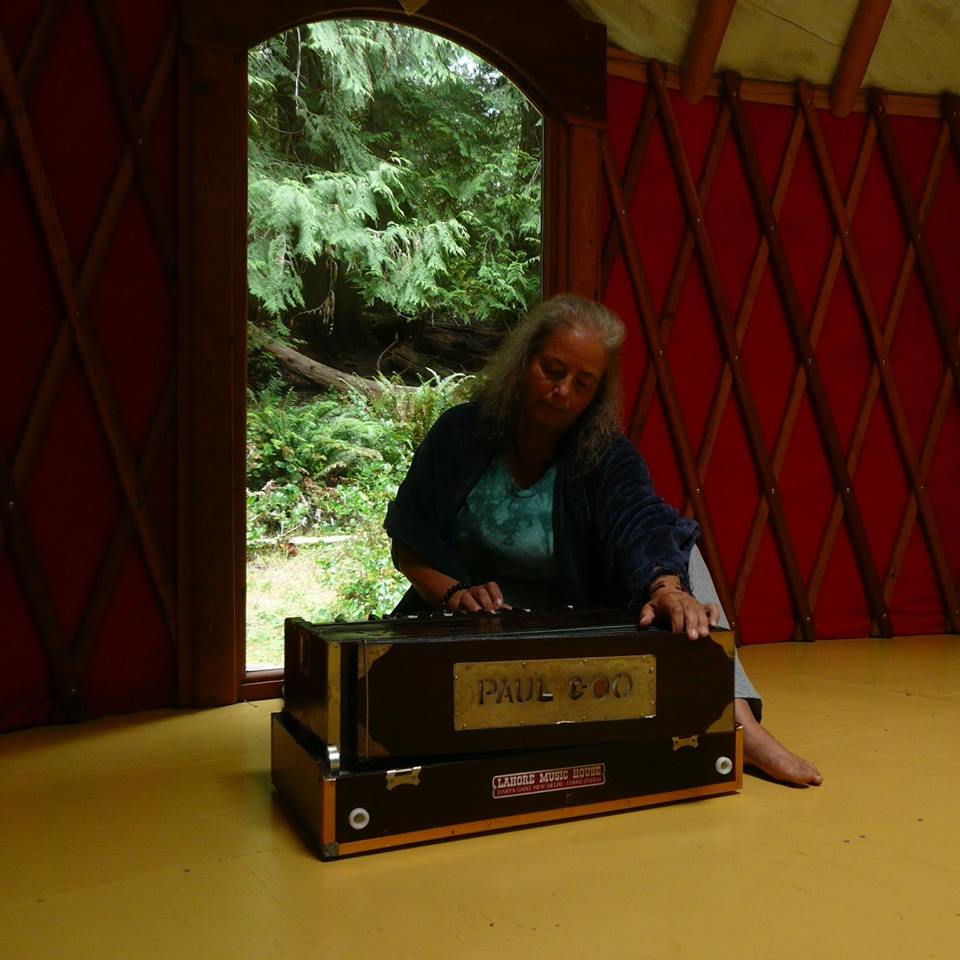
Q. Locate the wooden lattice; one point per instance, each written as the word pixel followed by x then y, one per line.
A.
pixel 812 393
pixel 789 281
pixel 83 44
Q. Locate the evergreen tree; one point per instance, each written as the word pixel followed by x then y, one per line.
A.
pixel 390 163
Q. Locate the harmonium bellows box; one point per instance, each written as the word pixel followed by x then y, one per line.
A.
pixel 404 730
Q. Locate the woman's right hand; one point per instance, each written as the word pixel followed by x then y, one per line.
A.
pixel 477 598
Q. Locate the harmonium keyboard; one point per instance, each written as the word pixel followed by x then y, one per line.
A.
pixel 405 730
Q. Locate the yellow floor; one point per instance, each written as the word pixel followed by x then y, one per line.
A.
pixel 158 836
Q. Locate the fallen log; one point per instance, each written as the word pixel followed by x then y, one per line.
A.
pixel 319 373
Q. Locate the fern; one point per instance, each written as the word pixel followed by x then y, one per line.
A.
pixel 330 461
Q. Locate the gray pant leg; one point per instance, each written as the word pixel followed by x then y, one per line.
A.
pixel 705 591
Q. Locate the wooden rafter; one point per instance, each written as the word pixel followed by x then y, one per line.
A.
pixel 668 392
pixel 778 93
pixel 805 355
pixel 857 51
pixel 705 41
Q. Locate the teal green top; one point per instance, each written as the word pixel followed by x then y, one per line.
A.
pixel 505 533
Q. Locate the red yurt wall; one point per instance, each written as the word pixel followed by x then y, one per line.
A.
pixel 790 286
pixel 793 376
pixel 88 304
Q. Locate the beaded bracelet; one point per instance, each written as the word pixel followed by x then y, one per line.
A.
pixel 445 599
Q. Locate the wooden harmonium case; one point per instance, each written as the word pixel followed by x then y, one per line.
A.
pixel 402 730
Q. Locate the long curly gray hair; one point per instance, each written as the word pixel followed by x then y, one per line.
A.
pixel 501 382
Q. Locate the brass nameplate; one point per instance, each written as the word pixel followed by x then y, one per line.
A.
pixel 523 693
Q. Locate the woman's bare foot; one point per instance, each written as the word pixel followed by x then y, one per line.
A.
pixel 762 750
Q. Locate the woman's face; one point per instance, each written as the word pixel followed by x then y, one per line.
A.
pixel 562 378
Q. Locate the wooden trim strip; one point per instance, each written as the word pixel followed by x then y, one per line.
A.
pixel 631 177
pixel 583 211
pixel 553 202
pixel 731 348
pixel 656 356
pixel 805 356
pixel 328 802
pixel 629 66
pixel 186 653
pixel 36 593
pixel 681 268
pixel 700 60
pixel 881 366
pixel 136 136
pixel 86 348
pixel 914 229
pixel 211 371
pixel 857 51
pixel 531 819
pixel 256 687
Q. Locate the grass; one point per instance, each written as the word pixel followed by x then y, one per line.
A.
pixel 321 582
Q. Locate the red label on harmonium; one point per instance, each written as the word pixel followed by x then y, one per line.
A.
pixel 547 781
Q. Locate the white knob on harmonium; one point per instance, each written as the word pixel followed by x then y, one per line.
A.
pixel 358 818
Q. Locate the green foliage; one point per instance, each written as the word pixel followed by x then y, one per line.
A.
pixel 279 511
pixel 395 160
pixel 365 578
pixel 325 467
pixel 411 413
pixel 346 579
pixel 333 464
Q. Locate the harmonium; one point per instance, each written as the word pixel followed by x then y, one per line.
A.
pixel 405 730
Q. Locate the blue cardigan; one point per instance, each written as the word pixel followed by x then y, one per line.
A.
pixel 611 532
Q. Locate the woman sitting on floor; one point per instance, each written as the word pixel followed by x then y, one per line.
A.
pixel 531 496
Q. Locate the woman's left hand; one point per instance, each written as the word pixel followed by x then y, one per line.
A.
pixel 685 613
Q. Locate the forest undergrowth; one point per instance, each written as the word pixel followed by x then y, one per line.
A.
pixel 320 474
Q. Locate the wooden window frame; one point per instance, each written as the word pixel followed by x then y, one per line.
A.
pixel 555 57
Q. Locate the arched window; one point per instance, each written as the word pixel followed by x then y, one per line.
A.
pixel 553 55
